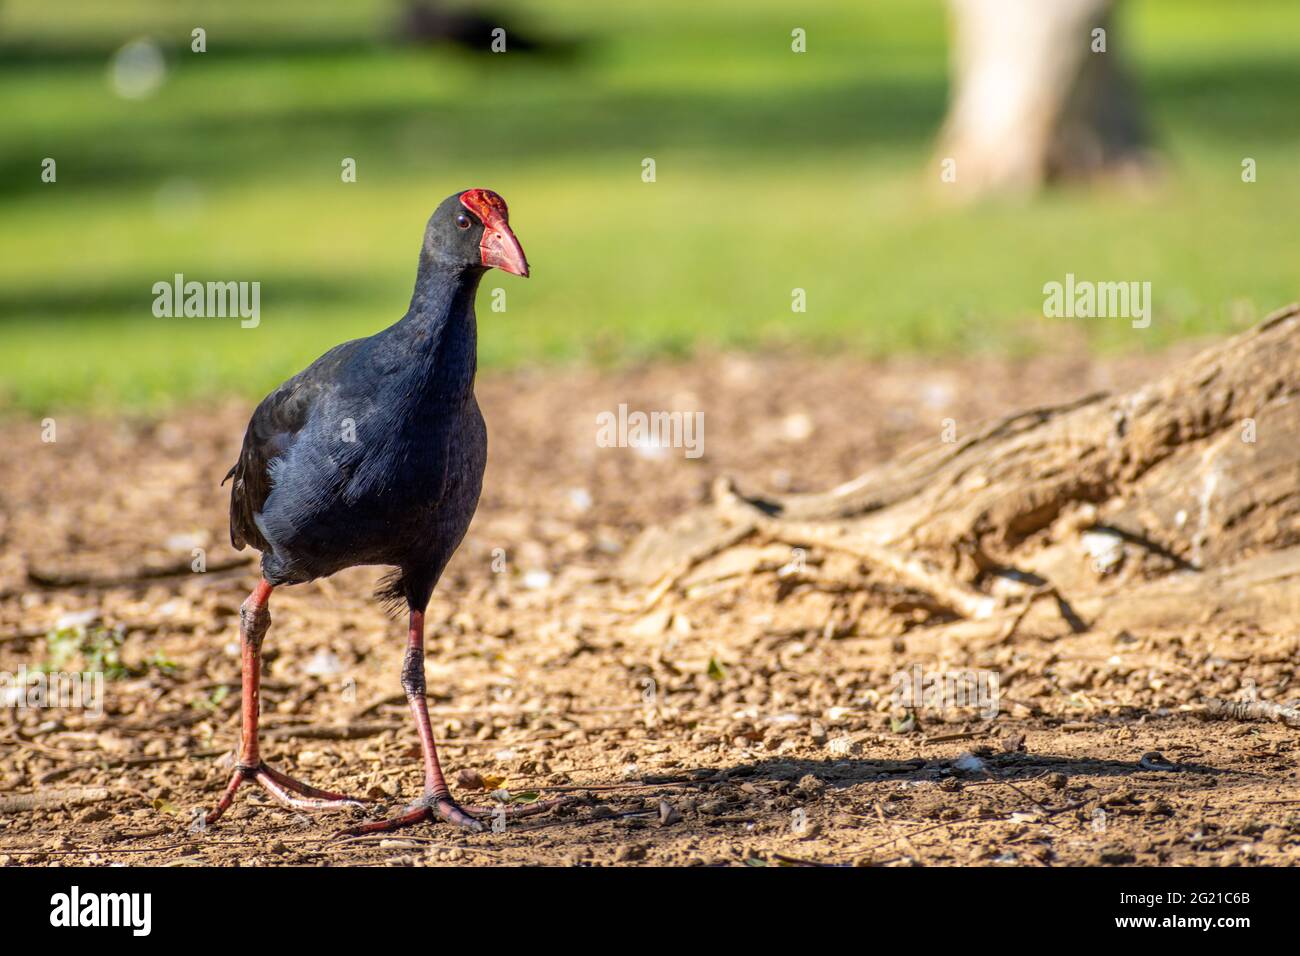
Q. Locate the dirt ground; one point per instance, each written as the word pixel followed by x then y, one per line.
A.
pixel 752 726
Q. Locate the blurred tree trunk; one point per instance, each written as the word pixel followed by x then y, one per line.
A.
pixel 1032 99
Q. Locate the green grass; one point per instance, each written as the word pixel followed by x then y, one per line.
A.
pixel 775 171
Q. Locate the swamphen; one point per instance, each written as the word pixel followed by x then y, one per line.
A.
pixel 374 454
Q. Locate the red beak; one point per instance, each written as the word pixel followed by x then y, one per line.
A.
pixel 498 247
pixel 501 250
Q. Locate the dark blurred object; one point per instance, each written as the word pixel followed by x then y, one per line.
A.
pixel 433 22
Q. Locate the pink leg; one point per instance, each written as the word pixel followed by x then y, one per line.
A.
pixel 254 620
pixel 437 795
pixel 437 800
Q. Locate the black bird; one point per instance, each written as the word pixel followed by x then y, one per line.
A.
pixel 474 30
pixel 374 455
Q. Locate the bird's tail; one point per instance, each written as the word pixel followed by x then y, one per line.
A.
pixel 391 592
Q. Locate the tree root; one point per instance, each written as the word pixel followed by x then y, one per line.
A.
pixel 1188 485
pixel 1263 710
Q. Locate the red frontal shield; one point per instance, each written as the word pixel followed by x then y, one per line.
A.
pixel 498 247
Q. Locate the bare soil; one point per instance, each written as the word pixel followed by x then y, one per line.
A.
pixel 752 724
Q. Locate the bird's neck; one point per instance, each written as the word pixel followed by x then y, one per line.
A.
pixel 438 335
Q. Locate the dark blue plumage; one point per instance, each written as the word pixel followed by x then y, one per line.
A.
pixel 374 454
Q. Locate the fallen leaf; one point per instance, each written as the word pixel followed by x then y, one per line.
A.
pixel 473 780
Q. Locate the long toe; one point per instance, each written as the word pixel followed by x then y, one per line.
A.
pixel 416 814
pixel 429 807
pixel 519 810
pixel 328 797
pixel 450 811
pixel 285 789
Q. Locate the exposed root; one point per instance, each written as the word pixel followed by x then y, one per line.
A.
pixel 1190 480
pixel 1263 710
pixel 52 799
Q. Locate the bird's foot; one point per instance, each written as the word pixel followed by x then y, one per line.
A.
pixel 282 787
pixel 443 806
pixel 426 808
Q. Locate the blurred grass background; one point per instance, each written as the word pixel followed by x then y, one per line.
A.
pixel 774 171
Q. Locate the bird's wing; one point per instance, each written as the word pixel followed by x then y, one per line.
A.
pixel 271 432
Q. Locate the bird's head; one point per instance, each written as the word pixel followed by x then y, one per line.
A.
pixel 471 229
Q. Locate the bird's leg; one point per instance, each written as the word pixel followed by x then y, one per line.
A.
pixel 436 791
pixel 254 621
pixel 437 795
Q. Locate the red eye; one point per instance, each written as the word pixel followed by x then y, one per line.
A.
pixel 463 221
